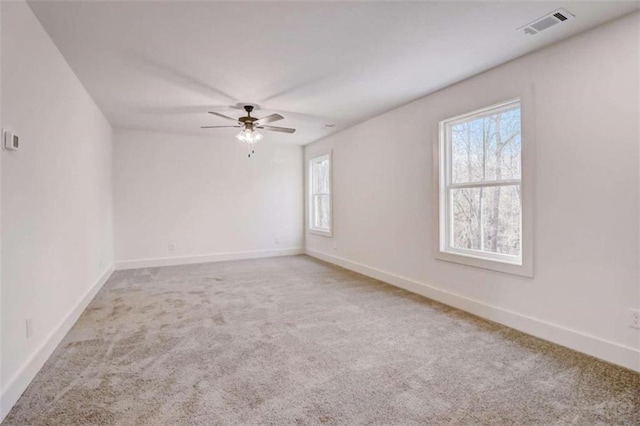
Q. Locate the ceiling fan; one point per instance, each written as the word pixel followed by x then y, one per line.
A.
pixel 250 125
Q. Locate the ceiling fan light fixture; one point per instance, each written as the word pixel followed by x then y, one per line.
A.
pixel 249 136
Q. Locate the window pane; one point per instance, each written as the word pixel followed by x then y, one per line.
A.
pixel 486 148
pixel 497 229
pixel 321 176
pixel 465 218
pixel 321 211
pixel 501 219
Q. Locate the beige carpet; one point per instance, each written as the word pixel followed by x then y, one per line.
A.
pixel 296 341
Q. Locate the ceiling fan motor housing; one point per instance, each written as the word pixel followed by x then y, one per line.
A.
pixel 248 120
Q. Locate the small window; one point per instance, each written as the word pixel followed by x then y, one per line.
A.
pixel 320 195
pixel 480 174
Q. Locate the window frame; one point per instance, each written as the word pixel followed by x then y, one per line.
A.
pixel 311 195
pixel 521 265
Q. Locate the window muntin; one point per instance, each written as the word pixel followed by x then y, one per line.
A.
pixel 480 184
pixel 320 194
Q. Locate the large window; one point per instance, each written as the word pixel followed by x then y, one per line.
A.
pixel 320 195
pixel 480 185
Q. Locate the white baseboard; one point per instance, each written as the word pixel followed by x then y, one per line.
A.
pixel 205 258
pixel 606 350
pixel 19 382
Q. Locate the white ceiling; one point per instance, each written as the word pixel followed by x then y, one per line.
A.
pixel 162 65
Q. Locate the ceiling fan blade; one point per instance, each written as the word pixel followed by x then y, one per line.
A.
pixel 277 129
pixel 218 127
pixel 269 119
pixel 224 116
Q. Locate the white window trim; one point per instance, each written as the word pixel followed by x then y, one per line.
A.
pixel 502 263
pixel 313 230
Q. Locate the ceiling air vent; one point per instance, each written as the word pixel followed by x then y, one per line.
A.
pixel 556 17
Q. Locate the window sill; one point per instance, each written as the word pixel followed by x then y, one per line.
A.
pixel 321 232
pixel 525 269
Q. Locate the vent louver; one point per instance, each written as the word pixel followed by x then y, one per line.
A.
pixel 548 21
pixel 560 16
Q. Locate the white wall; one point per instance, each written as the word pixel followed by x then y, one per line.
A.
pixel 204 194
pixel 585 119
pixel 57 244
pixel 2 412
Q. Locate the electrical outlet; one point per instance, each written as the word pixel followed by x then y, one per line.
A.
pixel 277 240
pixel 335 245
pixel 172 246
pixel 634 318
pixel 29 327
